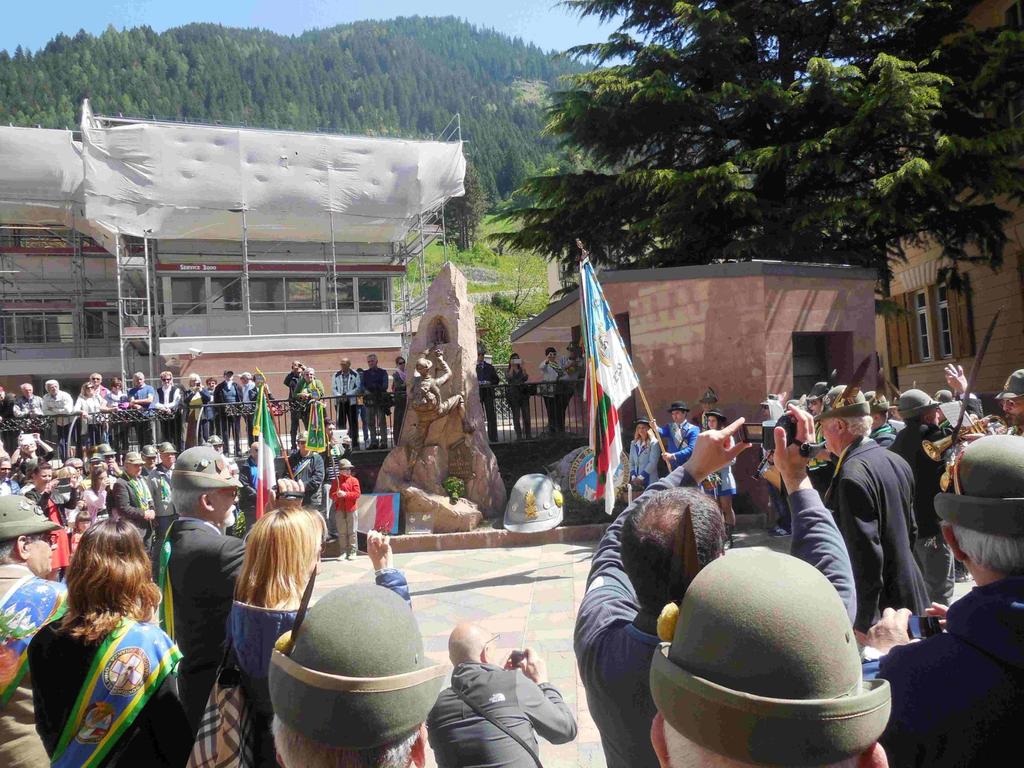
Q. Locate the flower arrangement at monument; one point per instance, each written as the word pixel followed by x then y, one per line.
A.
pixel 455 487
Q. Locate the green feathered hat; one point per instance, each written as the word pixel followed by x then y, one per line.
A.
pixel 988 487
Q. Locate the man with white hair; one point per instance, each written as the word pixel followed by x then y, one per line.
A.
pixel 958 696
pixel 59 405
pixel 872 496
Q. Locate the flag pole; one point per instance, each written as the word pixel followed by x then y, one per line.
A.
pixel 262 398
pixel 585 255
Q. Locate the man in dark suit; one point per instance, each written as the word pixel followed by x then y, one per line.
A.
pixel 872 496
pixel 202 569
pixel 922 416
pixel 228 394
pixel 308 468
pixel 132 498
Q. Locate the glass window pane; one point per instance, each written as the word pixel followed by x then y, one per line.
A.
pixel 8 329
pixel 266 293
pixel 188 296
pixel 346 290
pixel 225 294
pixel 60 329
pixel 303 293
pixel 95 324
pixel 31 329
pixel 373 294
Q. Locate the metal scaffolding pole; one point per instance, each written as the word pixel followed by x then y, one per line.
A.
pixel 120 304
pixel 423 259
pixel 149 306
pixel 334 278
pixel 245 270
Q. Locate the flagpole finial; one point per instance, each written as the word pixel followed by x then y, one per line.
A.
pixel 584 253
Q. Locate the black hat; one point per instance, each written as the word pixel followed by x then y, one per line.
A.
pixel 818 391
pixel 640 421
pixel 678 405
pixel 715 412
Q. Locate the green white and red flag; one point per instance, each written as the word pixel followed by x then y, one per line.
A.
pixel 610 381
pixel 270 446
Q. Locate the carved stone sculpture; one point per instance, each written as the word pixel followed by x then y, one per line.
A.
pixel 444 433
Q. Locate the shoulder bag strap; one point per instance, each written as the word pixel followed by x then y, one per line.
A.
pixel 497 724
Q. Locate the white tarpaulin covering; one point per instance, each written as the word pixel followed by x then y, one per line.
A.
pixel 180 181
pixel 41 176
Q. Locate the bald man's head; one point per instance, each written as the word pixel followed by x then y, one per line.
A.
pixel 468 644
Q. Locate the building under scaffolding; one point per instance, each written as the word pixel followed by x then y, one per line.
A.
pixel 142 245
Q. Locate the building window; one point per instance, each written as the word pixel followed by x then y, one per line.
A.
pixel 266 294
pixel 41 328
pixel 373 294
pixel 345 290
pixel 100 324
pixel 945 327
pixel 188 295
pixel 921 310
pixel 302 293
pixel 225 294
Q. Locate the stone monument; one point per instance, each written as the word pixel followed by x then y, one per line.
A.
pixel 444 433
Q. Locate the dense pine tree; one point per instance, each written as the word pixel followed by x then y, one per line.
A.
pixel 404 77
pixel 830 131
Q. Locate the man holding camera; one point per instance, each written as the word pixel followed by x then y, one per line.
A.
pixel 508 706
pixel 958 696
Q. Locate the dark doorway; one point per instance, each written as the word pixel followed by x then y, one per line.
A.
pixel 810 361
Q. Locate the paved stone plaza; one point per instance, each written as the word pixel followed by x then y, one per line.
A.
pixel 526 595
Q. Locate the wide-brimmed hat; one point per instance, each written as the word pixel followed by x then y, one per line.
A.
pixel 201 469
pixel 355 674
pixel 214 440
pixel 877 402
pixel 678 405
pixel 166 447
pixel 914 402
pixel 818 391
pixel 640 421
pixel 836 404
pixel 20 517
pixel 104 449
pixel 737 679
pixel 1014 386
pixel 133 457
pixel 150 452
pixel 988 487
pixel 715 412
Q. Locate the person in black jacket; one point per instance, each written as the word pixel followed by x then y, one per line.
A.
pixel 518 695
pixel 8 435
pixel 202 569
pixel 922 416
pixel 131 498
pixel 108 583
pixel 872 496
pixel 228 394
pixel 292 381
pixel 487 377
pixel 308 468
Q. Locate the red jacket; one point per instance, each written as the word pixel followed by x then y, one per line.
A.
pixel 350 485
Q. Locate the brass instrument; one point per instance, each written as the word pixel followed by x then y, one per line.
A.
pixel 990 425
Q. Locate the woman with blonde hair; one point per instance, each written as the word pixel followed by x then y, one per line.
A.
pixel 644 453
pixel 282 551
pixel 103 676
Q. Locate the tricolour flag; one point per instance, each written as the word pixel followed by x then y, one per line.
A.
pixel 270 446
pixel 610 381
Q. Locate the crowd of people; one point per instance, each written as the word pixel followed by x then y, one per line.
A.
pixel 138 632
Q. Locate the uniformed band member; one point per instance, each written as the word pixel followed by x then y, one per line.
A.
pixel 872 497
pixel 1012 401
pixel 353 684
pixel 956 696
pixel 882 431
pixel 922 417
pixel 820 469
pixel 679 436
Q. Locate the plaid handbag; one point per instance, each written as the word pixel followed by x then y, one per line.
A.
pixel 226 737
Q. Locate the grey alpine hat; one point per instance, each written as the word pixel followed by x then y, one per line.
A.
pixel 737 679
pixel 355 674
pixel 834 405
pixel 1014 386
pixel 534 505
pixel 214 440
pixel 877 402
pixel 20 517
pixel 201 469
pixel 150 452
pixel 988 487
pixel 166 447
pixel 914 402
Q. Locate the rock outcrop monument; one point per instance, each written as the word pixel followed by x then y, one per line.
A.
pixel 444 433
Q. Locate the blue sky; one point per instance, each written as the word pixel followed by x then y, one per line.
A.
pixel 543 22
